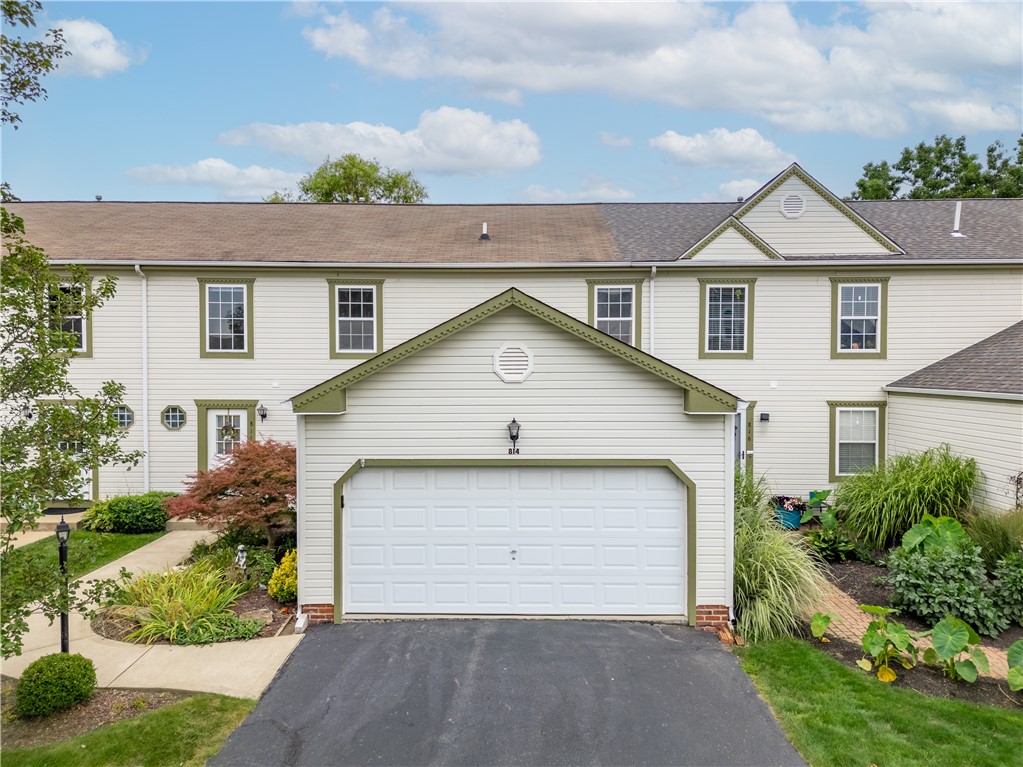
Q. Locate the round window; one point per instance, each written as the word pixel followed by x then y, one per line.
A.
pixel 124 416
pixel 173 417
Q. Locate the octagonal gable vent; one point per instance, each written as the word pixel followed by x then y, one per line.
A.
pixel 513 363
pixel 793 206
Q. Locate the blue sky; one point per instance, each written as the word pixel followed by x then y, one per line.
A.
pixel 508 102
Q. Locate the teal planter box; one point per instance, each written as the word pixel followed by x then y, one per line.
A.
pixel 788 519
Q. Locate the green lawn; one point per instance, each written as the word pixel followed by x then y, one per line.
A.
pixel 837 716
pixel 185 733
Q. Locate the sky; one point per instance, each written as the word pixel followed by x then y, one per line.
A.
pixel 508 102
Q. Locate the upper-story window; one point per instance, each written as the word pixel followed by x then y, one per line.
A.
pixel 858 318
pixel 67 310
pixel 614 309
pixel 726 318
pixel 355 318
pixel 226 318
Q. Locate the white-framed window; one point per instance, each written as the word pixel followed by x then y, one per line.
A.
pixel 73 323
pixel 173 417
pixel 857 439
pixel 226 318
pixel 124 416
pixel 859 317
pixel 356 318
pixel 615 311
pixel 229 431
pixel 726 318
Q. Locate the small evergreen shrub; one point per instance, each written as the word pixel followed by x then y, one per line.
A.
pixel 128 514
pixel 881 503
pixel 1009 586
pixel 944 581
pixel 998 533
pixel 284 582
pixel 55 683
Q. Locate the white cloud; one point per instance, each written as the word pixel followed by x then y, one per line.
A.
pixel 743 187
pixel 613 139
pixel 872 70
pixel 722 148
pixel 594 188
pixel 230 181
pixel 446 140
pixel 95 52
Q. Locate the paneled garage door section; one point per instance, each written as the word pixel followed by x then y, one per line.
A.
pixel 517 541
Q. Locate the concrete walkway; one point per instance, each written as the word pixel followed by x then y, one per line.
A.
pixel 242 669
pixel 850 623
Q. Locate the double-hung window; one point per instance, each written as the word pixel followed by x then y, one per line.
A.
pixel 857 437
pixel 68 313
pixel 726 319
pixel 226 318
pixel 858 318
pixel 614 309
pixel 355 318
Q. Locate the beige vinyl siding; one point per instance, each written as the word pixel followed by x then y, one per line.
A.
pixel 991 431
pixel 447 403
pixel 821 229
pixel 730 246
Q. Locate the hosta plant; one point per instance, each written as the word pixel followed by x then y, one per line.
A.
pixel 1015 676
pixel 952 639
pixel 886 642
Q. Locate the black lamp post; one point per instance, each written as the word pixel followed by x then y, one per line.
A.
pixel 63 533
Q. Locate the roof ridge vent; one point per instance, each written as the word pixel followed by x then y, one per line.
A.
pixel 959 214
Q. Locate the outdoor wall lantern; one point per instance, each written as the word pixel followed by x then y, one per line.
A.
pixel 513 435
pixel 765 416
pixel 63 531
pixel 261 412
pixel 27 412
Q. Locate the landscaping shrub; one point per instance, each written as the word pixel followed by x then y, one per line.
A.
pixel 998 533
pixel 829 541
pixel 944 581
pixel 128 514
pixel 54 683
pixel 284 582
pixel 222 552
pixel 1009 586
pixel 777 579
pixel 881 503
pixel 187 606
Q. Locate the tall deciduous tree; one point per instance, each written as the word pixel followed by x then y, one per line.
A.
pixel 353 179
pixel 944 169
pixel 24 62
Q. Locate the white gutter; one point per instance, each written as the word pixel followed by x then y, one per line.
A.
pixel 729 473
pixel 954 393
pixel 145 377
pixel 653 308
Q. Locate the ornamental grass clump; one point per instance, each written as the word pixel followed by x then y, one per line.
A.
pixel 998 533
pixel 879 504
pixel 777 579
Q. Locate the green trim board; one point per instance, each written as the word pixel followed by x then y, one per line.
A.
pixel 882 432
pixel 743 231
pixel 636 283
pixel 715 400
pixel 957 395
pixel 203 407
pixel 184 416
pixel 881 352
pixel 706 283
pixel 690 486
pixel 250 321
pixel 87 352
pixel 751 421
pixel 794 170
pixel 378 310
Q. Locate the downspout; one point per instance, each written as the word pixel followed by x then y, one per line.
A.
pixel 145 377
pixel 653 307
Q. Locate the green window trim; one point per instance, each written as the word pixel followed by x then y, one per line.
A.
pixel 378 308
pixel 637 303
pixel 706 283
pixel 184 419
pixel 132 412
pixel 882 433
pixel 881 352
pixel 204 351
pixel 204 406
pixel 85 353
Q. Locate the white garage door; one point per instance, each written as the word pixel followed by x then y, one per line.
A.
pixel 517 541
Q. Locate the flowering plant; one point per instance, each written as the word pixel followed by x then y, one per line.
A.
pixel 788 502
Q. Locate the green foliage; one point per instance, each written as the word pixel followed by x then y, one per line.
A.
pixel 1015 657
pixel 945 581
pixel 25 61
pixel 750 492
pixel 819 625
pixel 1008 586
pixel 998 533
pixel 934 533
pixel 54 683
pixel 885 642
pixel 881 503
pixel 128 514
pixel 830 542
pixel 944 169
pixel 222 553
pixel 951 638
pixel 352 179
pixel 284 582
pixel 185 607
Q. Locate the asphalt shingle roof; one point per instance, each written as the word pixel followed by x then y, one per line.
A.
pixel 994 365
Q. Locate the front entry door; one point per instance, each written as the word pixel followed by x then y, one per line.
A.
pixel 227 429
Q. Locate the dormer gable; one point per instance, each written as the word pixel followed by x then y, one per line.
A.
pixel 731 241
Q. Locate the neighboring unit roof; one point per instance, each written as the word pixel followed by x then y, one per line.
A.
pixel 993 366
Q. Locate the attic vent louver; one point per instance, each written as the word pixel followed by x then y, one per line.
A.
pixel 793 206
pixel 513 363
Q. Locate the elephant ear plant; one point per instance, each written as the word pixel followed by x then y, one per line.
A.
pixel 952 638
pixel 886 642
pixel 1015 675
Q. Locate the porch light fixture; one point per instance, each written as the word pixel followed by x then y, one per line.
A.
pixel 261 412
pixel 765 416
pixel 27 412
pixel 513 435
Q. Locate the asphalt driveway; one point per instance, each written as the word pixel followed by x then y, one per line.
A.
pixel 509 692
